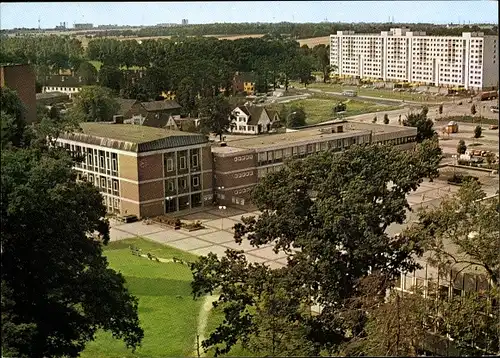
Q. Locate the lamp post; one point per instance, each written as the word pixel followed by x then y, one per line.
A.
pixel 222 207
pixel 288 117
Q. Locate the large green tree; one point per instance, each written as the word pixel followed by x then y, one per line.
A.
pixel 329 213
pixel 94 104
pixel 87 72
pixel 423 124
pixel 111 77
pixel 215 114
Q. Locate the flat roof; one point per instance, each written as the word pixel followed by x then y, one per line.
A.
pixel 130 132
pixel 134 138
pixel 317 133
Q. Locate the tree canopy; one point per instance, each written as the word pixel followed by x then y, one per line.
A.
pixel 423 124
pixel 215 114
pixel 57 287
pixel 94 104
pixel 329 213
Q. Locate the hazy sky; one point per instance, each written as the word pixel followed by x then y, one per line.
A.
pixel 144 13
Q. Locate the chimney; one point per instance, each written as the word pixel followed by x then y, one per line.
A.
pixel 118 119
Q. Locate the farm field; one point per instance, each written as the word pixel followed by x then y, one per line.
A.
pixel 167 311
pixel 314 41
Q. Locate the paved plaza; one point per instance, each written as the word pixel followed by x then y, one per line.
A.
pixel 218 234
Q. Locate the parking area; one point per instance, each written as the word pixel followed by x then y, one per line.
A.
pixel 218 234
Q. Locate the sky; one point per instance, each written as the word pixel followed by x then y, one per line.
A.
pixel 148 13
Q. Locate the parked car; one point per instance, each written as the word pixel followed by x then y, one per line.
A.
pixel 494 126
pixel 127 218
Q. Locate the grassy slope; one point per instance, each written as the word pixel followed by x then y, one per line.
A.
pixel 169 322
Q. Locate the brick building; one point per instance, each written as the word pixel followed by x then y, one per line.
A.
pixel 21 79
pixel 141 170
pixel 240 163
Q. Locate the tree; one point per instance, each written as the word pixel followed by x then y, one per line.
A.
pixel 374 120
pixel 463 233
pixel 328 213
pixel 57 288
pixel 13 118
pixel 473 109
pixel 386 118
pixel 94 104
pixel 477 132
pixel 461 147
pixel 295 116
pixel 423 124
pixel 186 96
pixel 87 72
pixel 215 114
pixel 111 77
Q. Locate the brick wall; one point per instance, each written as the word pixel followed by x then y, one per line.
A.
pixel 21 79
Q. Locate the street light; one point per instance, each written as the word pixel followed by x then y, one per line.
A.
pixel 222 207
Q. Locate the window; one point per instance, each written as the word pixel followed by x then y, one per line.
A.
pixel 182 162
pixel 170 186
pixel 182 183
pixel 194 160
pixel 115 185
pixel 196 182
pixel 170 165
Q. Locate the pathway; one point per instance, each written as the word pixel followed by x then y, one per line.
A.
pixel 202 323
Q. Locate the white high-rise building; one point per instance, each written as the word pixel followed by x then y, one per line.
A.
pixel 469 61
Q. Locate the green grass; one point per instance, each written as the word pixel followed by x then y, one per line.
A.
pixel 169 322
pixel 319 109
pixel 98 65
pixel 380 93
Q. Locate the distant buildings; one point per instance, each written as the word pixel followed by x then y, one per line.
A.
pixel 469 61
pixel 65 84
pixel 83 26
pixel 152 114
pixel 244 82
pixel 184 21
pixel 21 78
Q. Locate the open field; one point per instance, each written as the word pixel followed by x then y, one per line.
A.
pixel 314 41
pixel 167 310
pixel 380 93
pixel 320 109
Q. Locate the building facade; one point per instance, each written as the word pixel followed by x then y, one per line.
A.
pixel 21 78
pixel 68 85
pixel 469 61
pixel 241 163
pixel 143 171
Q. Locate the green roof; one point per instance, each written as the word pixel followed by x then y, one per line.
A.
pixel 132 137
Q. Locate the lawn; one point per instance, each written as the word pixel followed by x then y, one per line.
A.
pixel 320 109
pixel 380 93
pixel 167 311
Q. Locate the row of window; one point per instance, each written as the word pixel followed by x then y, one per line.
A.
pixel 94 160
pixel 186 183
pixel 181 161
pixel 63 89
pixel 112 204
